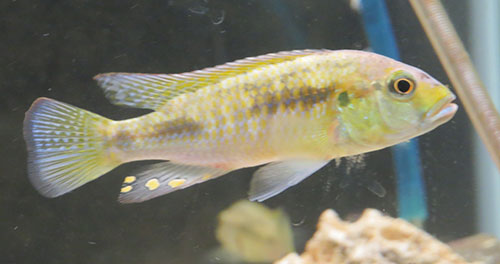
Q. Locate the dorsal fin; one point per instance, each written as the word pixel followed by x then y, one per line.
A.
pixel 151 91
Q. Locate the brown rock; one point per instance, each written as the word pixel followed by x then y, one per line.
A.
pixel 373 238
pixel 483 248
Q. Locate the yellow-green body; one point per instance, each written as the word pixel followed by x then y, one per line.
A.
pixel 307 106
pixel 270 113
pixel 285 110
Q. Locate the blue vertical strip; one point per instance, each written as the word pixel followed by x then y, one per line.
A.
pixel 412 204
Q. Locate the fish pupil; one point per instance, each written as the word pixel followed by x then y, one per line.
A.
pixel 403 86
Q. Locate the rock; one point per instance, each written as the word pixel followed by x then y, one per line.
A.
pixel 481 247
pixel 373 238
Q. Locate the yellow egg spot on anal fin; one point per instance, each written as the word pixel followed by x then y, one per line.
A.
pixel 126 189
pixel 152 184
pixel 129 179
pixel 176 183
pixel 206 176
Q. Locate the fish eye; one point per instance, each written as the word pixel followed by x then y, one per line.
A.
pixel 402 86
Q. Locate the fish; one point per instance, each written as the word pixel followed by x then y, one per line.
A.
pixel 291 111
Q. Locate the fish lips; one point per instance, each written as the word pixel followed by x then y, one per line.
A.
pixel 442 111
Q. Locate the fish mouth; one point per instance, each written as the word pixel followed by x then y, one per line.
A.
pixel 442 111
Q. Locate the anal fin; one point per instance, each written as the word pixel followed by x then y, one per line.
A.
pixel 162 178
pixel 276 177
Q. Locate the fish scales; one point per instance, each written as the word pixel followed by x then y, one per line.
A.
pixel 238 118
pixel 295 110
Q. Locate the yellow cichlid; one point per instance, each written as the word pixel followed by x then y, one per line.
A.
pixel 295 110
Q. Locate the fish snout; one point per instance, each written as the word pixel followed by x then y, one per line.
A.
pixel 442 111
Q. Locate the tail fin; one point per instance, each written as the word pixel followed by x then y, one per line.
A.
pixel 66 146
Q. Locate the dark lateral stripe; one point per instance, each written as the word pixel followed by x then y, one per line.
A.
pixel 177 126
pixel 310 96
pixel 166 128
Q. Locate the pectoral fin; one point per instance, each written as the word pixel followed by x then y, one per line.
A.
pixel 162 178
pixel 276 177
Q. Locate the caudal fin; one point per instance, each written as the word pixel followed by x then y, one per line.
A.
pixel 66 147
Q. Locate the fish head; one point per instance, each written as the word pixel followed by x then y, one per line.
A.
pixel 411 102
pixel 391 102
